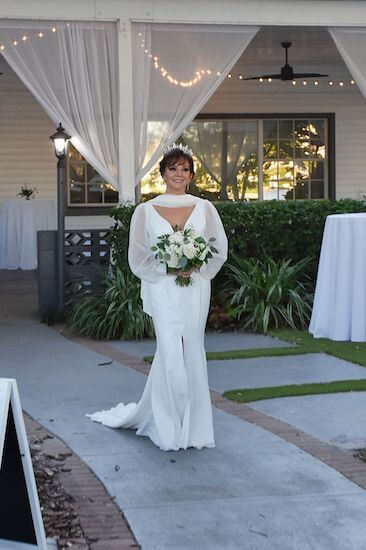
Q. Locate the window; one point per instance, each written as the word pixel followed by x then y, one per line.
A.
pixel 294 154
pixel 85 187
pixel 256 158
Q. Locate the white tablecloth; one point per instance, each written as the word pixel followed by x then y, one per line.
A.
pixel 19 222
pixel 339 311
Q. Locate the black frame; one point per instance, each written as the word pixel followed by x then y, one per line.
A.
pixel 331 135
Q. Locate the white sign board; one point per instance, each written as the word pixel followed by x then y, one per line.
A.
pixel 21 524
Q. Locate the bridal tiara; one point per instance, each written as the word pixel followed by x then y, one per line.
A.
pixel 184 148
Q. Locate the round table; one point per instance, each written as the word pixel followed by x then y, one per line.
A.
pixel 339 310
pixel 20 220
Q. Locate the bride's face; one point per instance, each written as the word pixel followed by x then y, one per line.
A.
pixel 177 176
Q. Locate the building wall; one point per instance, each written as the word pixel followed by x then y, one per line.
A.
pixel 26 152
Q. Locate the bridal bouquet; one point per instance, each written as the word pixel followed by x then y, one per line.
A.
pixel 182 250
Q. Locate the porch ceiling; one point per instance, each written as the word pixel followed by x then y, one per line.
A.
pixel 311 46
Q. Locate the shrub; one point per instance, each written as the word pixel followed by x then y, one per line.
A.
pixel 269 293
pixel 115 313
pixel 281 230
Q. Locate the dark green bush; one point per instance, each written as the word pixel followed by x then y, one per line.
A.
pixel 281 230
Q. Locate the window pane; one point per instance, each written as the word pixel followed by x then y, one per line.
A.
pixel 95 193
pixel 302 170
pixel 77 172
pixel 285 129
pixel 301 189
pixel 316 129
pixel 110 194
pixel 286 170
pixel 301 129
pixel 77 193
pixel 269 129
pixel 317 151
pixel 316 170
pixel 73 154
pixel 317 189
pixel 270 149
pixel 270 190
pixel 286 149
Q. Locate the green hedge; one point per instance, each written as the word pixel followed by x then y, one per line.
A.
pixel 279 230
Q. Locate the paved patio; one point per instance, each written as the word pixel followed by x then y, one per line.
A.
pixel 254 486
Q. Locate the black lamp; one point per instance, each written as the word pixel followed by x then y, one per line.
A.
pixel 60 140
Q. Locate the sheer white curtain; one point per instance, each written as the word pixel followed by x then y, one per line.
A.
pixel 222 147
pixel 72 71
pixel 176 70
pixel 351 44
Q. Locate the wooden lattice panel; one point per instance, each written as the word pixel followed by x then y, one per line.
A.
pixel 86 261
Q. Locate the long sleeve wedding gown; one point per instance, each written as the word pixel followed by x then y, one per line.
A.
pixel 175 408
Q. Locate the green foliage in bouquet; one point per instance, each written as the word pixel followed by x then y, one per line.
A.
pixel 114 314
pixel 269 293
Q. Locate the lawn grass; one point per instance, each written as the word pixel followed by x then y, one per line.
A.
pixel 355 352
pixel 272 392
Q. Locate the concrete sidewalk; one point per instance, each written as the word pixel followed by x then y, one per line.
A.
pixel 253 491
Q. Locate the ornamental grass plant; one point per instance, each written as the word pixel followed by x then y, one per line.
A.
pixel 268 293
pixel 116 313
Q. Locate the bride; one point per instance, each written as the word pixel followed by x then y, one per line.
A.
pixel 175 408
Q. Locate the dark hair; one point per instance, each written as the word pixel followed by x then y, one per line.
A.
pixel 174 156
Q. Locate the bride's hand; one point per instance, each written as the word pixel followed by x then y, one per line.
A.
pixel 187 273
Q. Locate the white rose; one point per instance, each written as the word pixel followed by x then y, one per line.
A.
pixel 176 238
pixel 173 262
pixel 189 251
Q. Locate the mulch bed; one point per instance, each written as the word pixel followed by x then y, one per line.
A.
pixel 77 510
pixel 59 513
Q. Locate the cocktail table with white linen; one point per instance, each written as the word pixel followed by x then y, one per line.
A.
pixel 339 310
pixel 19 222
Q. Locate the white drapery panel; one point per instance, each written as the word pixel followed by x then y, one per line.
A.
pixel 351 44
pixel 72 72
pixel 176 70
pixel 222 147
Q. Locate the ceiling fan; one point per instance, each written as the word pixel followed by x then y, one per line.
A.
pixel 287 72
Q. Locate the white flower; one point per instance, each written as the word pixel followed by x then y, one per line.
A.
pixel 189 250
pixel 176 237
pixel 173 262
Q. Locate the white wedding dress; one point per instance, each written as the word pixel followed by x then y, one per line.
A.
pixel 175 408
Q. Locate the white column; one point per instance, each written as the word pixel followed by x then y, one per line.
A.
pixel 126 146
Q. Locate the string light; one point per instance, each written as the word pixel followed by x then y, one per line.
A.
pixel 199 74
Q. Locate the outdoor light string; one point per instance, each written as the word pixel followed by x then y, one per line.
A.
pixel 199 74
